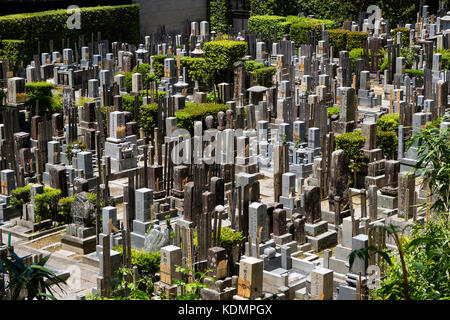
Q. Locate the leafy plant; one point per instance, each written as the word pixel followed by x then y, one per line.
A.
pixel 333 111
pixel 35 279
pixel 387 141
pixel 388 122
pixel 352 143
pixel 70 147
pixel 433 165
pixel 192 289
pixel 147 263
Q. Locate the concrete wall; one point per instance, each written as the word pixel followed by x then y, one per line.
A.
pixel 170 13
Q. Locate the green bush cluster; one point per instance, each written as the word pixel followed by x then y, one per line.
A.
pixel 114 23
pixel 220 55
pixel 128 102
pixel 388 122
pixel 147 263
pixel 264 76
pixel 355 39
pixel 266 24
pixel 299 31
pixel 64 205
pixel 404 38
pixel 148 118
pixel 46 204
pixel 220 18
pixel 158 65
pixel 16 50
pixel 386 138
pixel 412 73
pixel 197 112
pixel 41 88
pixel 445 58
pixel 352 143
pixel 333 111
pixel 342 39
pixel 20 196
pixel 196 69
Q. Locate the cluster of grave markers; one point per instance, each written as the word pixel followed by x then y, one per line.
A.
pixel 281 132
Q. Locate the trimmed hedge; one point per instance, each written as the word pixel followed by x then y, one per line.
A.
pixel 352 143
pixel 445 58
pixel 114 22
pixel 148 118
pixel 220 55
pixel 220 15
pixel 387 141
pixel 196 69
pixel 158 65
pixel 42 88
pixel 338 39
pixel 197 112
pixel 16 50
pixel 355 40
pixel 267 23
pixel 388 122
pixel 405 36
pixel 299 31
pixel 264 76
pixel 147 263
pixel 333 111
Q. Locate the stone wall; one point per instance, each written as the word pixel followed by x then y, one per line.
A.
pixel 173 14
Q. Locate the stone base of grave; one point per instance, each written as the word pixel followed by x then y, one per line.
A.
pixel 378 181
pixel 250 168
pixel 177 193
pixel 316 228
pixel 387 202
pixel 162 215
pixel 210 294
pixel 347 293
pixel 283 239
pixel 79 245
pixel 328 216
pixel 93 260
pixel 323 241
pixel 170 291
pixel 35 226
pixel 339 262
pixel 8 213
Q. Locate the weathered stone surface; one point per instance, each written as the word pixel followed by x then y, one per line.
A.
pixel 338 184
pixel 155 240
pixel 82 210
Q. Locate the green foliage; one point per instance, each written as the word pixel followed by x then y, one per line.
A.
pixel 147 263
pixel 299 31
pixel 267 23
pixel 70 146
pixel 148 118
pixel 355 40
pixel 42 88
pixel 339 10
pixel 220 15
pixel 128 102
pixel 20 196
pixel 388 122
pixel 333 111
pixel 356 54
pixel 220 55
pixel 46 204
pixel 338 39
pixel 158 65
pixel 192 289
pixel 404 37
pixel 412 73
pixel 16 50
pixel 445 58
pixel 196 69
pixel 230 239
pixel 64 205
pixel 47 104
pixel 388 142
pixel 114 23
pixel 264 76
pixel 433 164
pixel 197 112
pixel 352 143
pixel 252 65
pixel 427 263
pixel 35 280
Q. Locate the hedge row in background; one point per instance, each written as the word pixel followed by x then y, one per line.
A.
pixel 15 50
pixel 386 138
pixel 114 23
pixel 220 15
pixel 342 39
pixel 266 24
